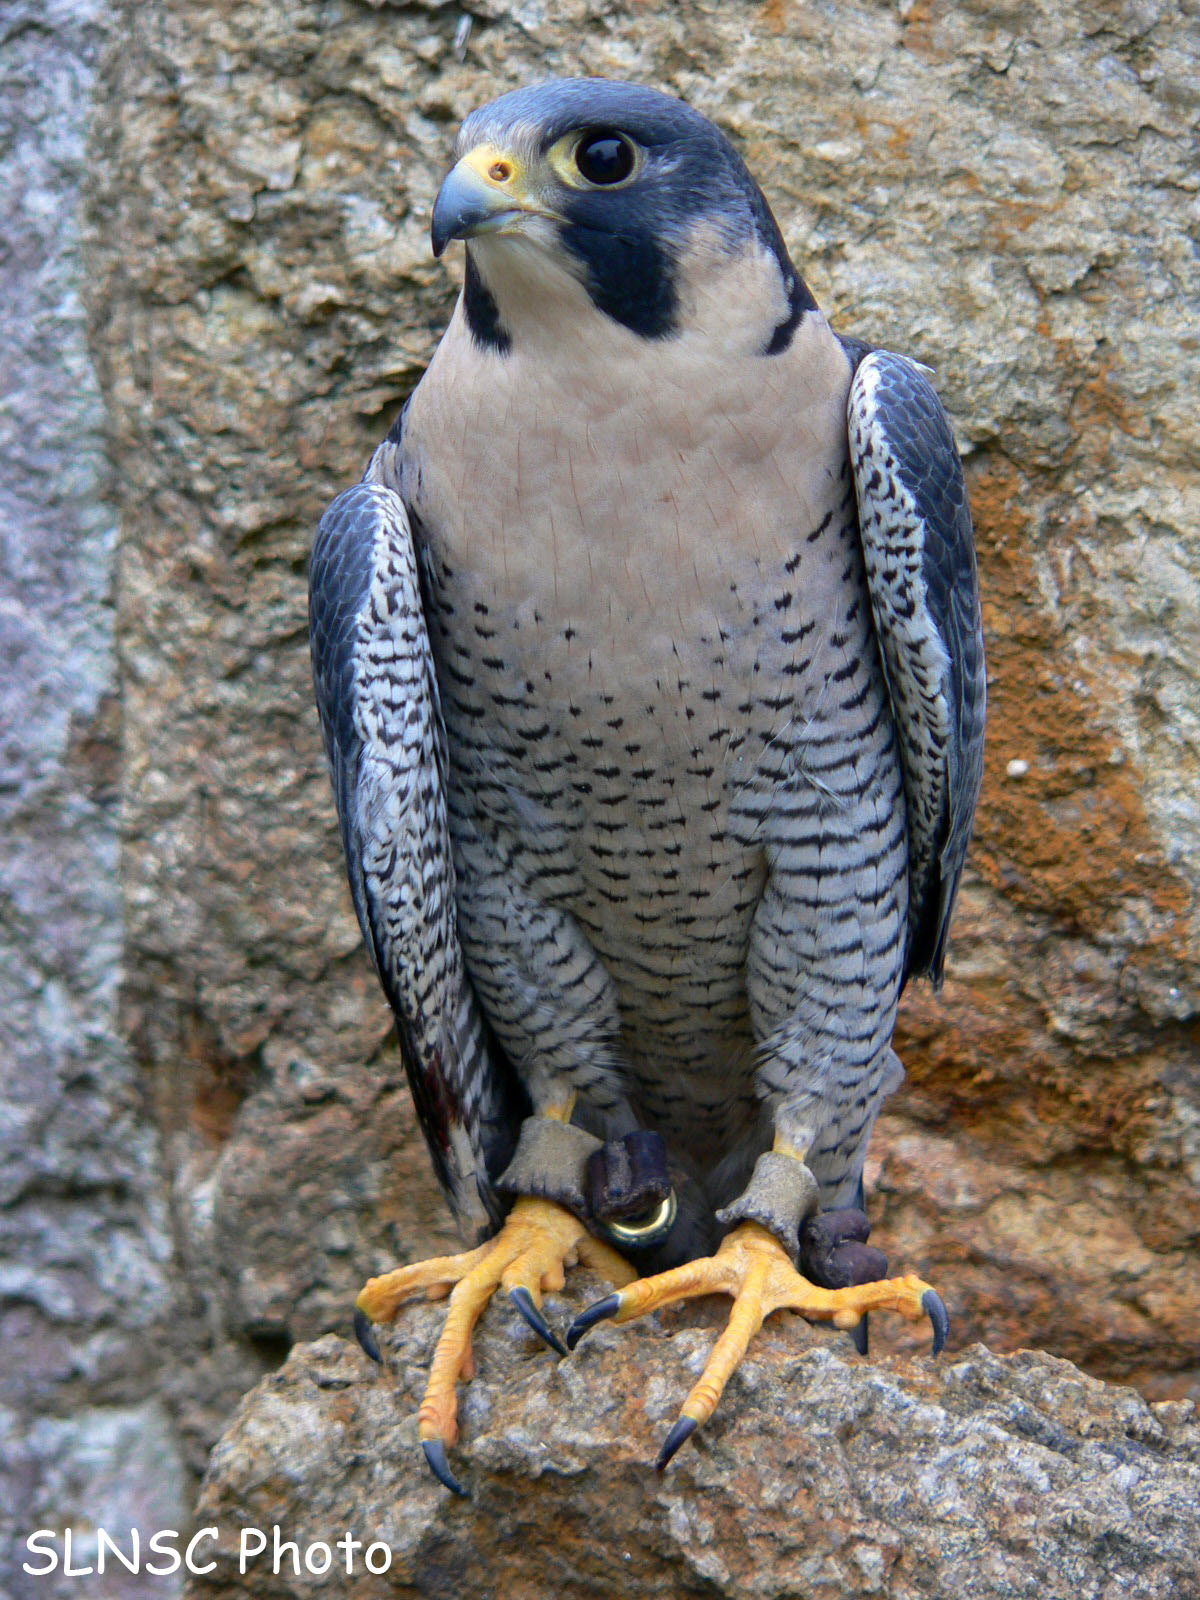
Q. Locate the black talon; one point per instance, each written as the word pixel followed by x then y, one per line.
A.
pixel 364 1333
pixel 934 1308
pixel 435 1454
pixel 861 1336
pixel 683 1430
pixel 608 1307
pixel 523 1300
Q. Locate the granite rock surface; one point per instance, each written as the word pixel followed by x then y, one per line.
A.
pixel 980 1477
pixel 85 1248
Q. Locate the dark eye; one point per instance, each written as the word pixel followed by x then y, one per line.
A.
pixel 604 157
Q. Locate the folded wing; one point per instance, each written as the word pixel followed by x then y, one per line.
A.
pixel 920 560
pixel 381 719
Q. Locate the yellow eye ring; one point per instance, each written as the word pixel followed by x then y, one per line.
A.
pixel 604 158
pixel 595 158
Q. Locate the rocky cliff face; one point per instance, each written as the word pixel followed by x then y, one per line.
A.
pixel 1009 195
pixel 1009 199
pixel 84 1245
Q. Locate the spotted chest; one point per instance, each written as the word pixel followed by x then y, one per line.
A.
pixel 639 595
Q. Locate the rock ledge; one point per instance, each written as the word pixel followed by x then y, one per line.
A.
pixel 821 1475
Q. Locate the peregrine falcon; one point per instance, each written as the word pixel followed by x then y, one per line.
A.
pixel 649 663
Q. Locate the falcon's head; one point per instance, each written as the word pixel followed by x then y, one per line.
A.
pixel 588 188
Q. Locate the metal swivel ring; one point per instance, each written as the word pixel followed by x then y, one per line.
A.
pixel 634 1233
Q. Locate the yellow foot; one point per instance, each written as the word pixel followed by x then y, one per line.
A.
pixel 529 1255
pixel 752 1266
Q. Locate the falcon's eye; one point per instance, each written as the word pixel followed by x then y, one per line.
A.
pixel 603 157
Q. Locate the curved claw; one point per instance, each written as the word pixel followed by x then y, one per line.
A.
pixel 435 1454
pixel 934 1308
pixel 597 1312
pixel 364 1332
pixel 679 1435
pixel 523 1301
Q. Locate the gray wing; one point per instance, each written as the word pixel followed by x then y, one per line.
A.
pixel 381 720
pixel 920 561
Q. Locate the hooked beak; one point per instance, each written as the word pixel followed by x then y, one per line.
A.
pixel 482 194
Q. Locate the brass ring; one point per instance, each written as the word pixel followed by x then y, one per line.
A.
pixel 644 1230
